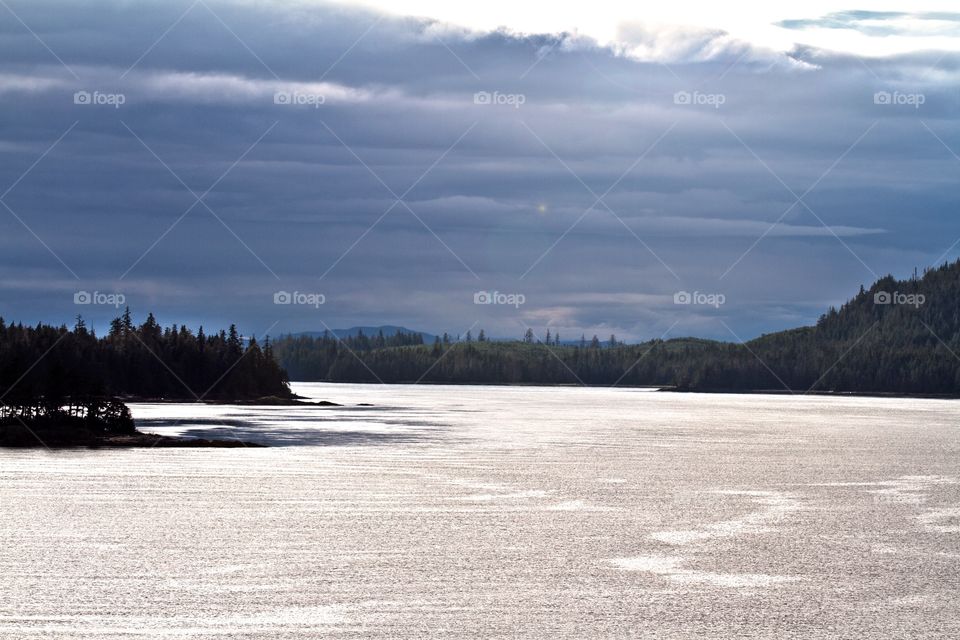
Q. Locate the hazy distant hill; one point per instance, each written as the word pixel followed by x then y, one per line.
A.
pixel 387 329
pixel 898 336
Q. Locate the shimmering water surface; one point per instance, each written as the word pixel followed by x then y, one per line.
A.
pixel 497 512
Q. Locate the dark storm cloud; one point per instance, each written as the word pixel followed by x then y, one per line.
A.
pixel 696 156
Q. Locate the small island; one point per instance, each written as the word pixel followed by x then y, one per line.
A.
pixel 69 388
pixel 92 422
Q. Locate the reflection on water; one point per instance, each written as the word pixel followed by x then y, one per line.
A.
pixel 298 425
pixel 496 512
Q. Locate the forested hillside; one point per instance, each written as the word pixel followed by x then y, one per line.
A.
pixel 896 336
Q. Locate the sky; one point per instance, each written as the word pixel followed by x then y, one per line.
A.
pixel 583 168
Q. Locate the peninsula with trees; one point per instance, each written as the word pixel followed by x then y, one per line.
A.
pixel 62 387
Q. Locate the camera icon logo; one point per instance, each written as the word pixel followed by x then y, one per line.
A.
pixel 81 97
pixel 482 297
pixel 882 97
pixel 282 97
pixel 482 97
pixel 682 297
pixel 82 297
pixel 681 97
pixel 282 297
pixel 882 297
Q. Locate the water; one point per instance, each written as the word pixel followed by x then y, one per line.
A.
pixel 497 512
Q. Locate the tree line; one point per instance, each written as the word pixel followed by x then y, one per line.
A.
pixel 898 336
pixel 145 360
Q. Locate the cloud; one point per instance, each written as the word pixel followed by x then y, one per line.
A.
pixel 882 23
pixel 597 196
pixel 672 44
pixel 879 34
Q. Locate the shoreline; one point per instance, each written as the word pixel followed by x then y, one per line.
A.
pixel 272 401
pixel 832 394
pixel 658 388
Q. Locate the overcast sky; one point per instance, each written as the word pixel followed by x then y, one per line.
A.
pixel 200 157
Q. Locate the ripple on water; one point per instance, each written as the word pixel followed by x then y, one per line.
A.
pixel 670 568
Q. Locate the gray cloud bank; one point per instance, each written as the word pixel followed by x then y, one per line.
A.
pixel 200 157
